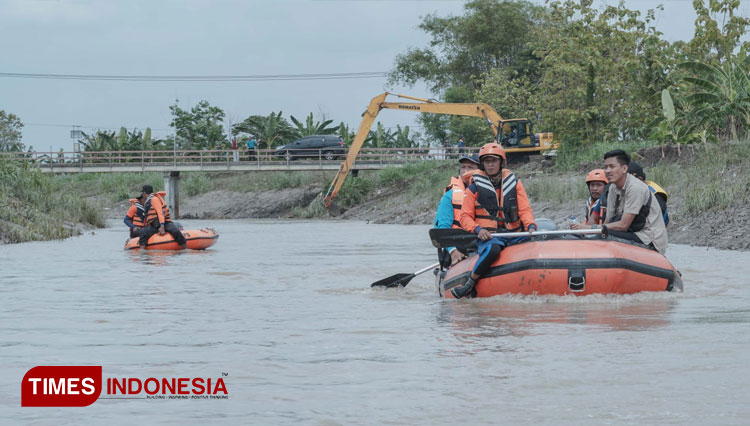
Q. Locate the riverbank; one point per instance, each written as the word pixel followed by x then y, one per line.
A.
pixel 34 207
pixel 708 186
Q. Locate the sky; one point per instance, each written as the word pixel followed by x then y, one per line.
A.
pixel 216 37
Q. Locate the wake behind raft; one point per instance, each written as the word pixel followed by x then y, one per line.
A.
pixel 568 264
pixel 197 239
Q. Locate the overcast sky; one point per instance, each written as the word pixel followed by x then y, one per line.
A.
pixel 215 37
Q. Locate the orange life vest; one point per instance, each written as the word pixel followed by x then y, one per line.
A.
pixel 493 211
pixel 136 213
pixel 155 202
pixel 457 198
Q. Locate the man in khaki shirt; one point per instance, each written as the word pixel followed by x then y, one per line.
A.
pixel 633 213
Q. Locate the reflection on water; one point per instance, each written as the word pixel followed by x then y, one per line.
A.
pixel 285 309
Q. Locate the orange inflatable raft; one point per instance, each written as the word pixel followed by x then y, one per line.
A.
pixel 197 239
pixel 569 265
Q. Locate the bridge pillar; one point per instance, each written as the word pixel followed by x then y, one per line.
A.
pixel 171 185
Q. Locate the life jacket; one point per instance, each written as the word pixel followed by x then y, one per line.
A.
pixel 492 212
pixel 589 207
pixel 151 214
pixel 457 198
pixel 639 221
pixel 136 213
pixel 658 191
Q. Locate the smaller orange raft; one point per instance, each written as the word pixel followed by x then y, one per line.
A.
pixel 197 239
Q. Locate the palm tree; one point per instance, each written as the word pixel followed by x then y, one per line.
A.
pixel 381 137
pixel 100 141
pixel 722 94
pixel 270 131
pixel 310 127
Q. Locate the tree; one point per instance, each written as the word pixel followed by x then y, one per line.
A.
pixel 721 95
pixel 99 141
pixel 199 128
pixel 490 34
pixel 10 132
pixel 598 71
pixel 711 43
pixel 270 131
pixel 381 137
pixel 311 127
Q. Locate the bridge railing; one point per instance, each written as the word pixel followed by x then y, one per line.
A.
pixel 258 157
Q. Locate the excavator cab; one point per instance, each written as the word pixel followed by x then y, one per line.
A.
pixel 516 134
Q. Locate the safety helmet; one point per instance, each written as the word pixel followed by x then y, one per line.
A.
pixel 492 148
pixel 596 175
pixel 474 158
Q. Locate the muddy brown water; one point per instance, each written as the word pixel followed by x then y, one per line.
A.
pixel 285 310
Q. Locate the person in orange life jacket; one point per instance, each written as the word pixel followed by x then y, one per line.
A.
pixel 596 181
pixel 632 211
pixel 157 219
pixel 494 201
pixel 135 216
pixel 636 170
pixel 448 213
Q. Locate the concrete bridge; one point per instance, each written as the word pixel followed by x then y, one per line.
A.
pixel 171 163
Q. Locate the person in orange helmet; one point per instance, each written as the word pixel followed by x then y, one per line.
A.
pixel 596 180
pixel 494 201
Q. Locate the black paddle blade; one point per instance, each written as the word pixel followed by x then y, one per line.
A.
pixel 394 281
pixel 452 237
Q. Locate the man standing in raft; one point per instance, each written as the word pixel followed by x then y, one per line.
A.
pixel 494 201
pixel 633 211
pixel 157 219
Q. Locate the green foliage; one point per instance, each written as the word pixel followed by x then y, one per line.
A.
pixel 490 34
pixel 597 71
pixel 311 127
pixel 199 128
pixel 197 183
pixel 34 206
pixel 354 191
pixel 715 43
pixel 270 131
pixel 720 95
pixel 10 132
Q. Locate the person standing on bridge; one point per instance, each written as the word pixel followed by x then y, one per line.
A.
pixel 235 150
pixel 251 148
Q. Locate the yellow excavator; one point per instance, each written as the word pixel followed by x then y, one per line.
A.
pixel 516 135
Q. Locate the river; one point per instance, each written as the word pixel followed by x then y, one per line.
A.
pixel 284 313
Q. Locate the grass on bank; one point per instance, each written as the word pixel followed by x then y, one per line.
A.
pixel 34 206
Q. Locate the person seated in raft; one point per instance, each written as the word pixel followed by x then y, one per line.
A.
pixel 494 201
pixel 632 212
pixel 136 216
pixel 597 182
pixel 157 219
pixel 636 170
pixel 448 213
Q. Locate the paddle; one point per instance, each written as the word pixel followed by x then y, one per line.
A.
pixel 454 237
pixel 401 279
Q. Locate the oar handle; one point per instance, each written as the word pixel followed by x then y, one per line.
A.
pixel 561 232
pixel 433 266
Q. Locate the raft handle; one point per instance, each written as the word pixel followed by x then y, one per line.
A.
pixel 576 280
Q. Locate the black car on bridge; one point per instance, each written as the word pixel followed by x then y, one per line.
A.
pixel 327 147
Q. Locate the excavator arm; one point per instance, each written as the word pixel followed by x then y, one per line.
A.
pixel 492 118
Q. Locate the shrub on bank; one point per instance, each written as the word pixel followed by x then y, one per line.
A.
pixel 34 206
